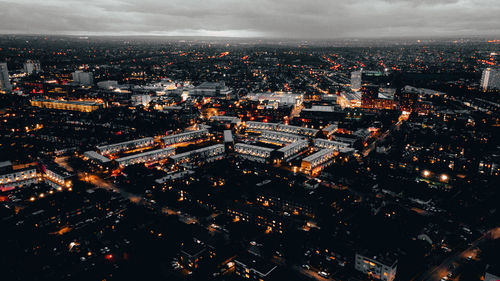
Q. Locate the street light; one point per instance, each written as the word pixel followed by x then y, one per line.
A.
pixel 426 173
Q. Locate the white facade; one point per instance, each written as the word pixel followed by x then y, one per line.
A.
pixel 84 78
pixel 490 79
pixel 208 154
pixel 337 145
pixel 185 137
pixel 279 137
pixel 19 178
pixel 58 176
pixel 4 78
pixel 92 155
pixel 309 132
pixel 127 145
pixel 145 157
pixel 293 148
pixel 259 126
pixel 287 99
pixel 356 77
pixel 316 159
pixel 210 89
pixel 140 100
pixel 108 84
pixel 375 268
pixel 253 152
pixel 31 66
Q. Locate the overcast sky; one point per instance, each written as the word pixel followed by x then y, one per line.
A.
pixel 302 19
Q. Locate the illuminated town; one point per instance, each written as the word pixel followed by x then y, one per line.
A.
pixel 158 158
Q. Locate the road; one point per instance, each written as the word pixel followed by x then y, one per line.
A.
pixel 436 273
pixel 311 273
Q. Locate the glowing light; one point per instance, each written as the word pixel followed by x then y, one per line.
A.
pixel 444 177
pixel 426 173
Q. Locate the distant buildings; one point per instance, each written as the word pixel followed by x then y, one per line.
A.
pixel 379 267
pixel 279 99
pixel 4 78
pixel 373 97
pixel 32 66
pixel 349 99
pixel 227 120
pixel 83 78
pixel 107 84
pixel 490 79
pixel 210 89
pixel 356 80
pixel 143 100
pixel 82 106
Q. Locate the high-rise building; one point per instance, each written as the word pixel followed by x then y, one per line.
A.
pixel 32 66
pixel 4 78
pixel 84 78
pixel 356 79
pixel 490 79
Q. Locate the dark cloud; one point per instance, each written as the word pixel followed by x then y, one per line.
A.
pixel 243 18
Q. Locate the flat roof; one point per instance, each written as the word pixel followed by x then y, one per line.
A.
pixel 254 147
pixel 94 155
pixel 256 263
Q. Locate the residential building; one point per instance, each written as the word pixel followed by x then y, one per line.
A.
pixel 253 152
pixel 323 143
pixel 188 136
pixel 288 152
pixel 146 157
pixel 252 267
pixel 211 89
pixel 278 138
pixel 382 267
pixel 18 178
pixel 206 154
pixel 126 145
pixel 316 160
